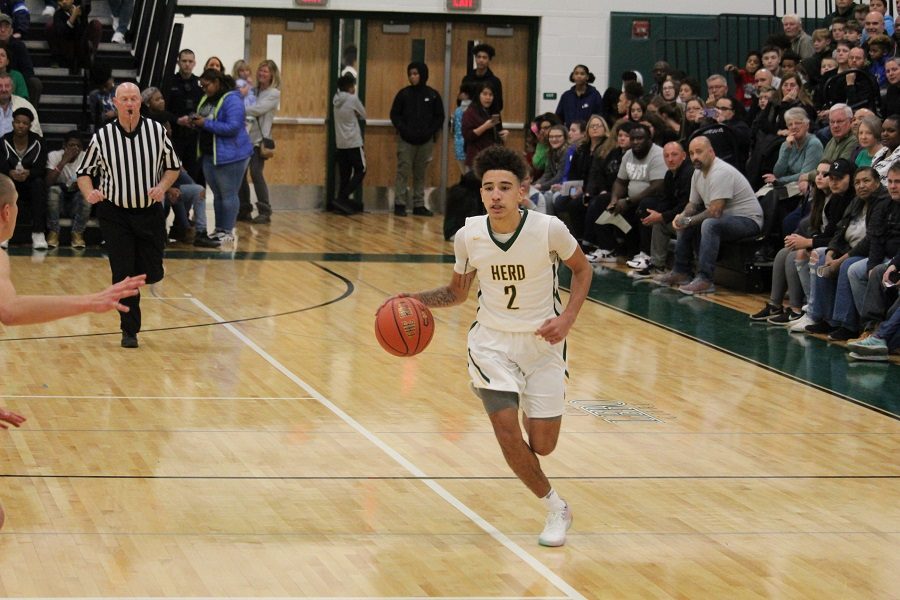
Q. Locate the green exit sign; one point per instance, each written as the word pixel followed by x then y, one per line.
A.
pixel 549 95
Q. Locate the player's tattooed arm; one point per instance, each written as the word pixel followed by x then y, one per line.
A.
pixel 449 295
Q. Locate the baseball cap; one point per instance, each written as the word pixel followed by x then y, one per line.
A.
pixel 841 167
pixel 5 19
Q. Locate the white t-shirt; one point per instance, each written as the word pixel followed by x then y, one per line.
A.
pixel 518 272
pixel 640 172
pixel 724 182
pixel 68 177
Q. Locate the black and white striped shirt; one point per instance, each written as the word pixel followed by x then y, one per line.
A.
pixel 129 164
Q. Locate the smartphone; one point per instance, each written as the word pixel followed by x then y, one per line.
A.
pixel 710 112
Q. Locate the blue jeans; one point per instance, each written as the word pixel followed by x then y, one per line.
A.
pixel 225 182
pixel 65 202
pixel 194 196
pixel 845 314
pixel 122 9
pixel 712 232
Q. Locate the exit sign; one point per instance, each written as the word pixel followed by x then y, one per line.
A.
pixel 311 2
pixel 463 5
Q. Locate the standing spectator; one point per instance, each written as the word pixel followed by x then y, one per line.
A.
pixel 845 9
pixel 224 147
pixel 72 38
pixel 463 101
pixel 801 42
pixel 23 158
pixel 484 54
pixel 183 97
pixel 418 114
pixel 63 195
pixel 241 74
pixel 134 163
pixel 121 19
pixel 351 159
pixel 482 129
pixel 582 100
pixel 261 116
pixel 881 6
pixel 661 72
pixel 722 207
pixel 213 62
pixel 744 89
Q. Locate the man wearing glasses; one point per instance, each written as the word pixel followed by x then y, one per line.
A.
pixel 841 144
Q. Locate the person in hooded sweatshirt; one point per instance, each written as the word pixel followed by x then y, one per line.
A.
pixel 417 114
pixel 348 112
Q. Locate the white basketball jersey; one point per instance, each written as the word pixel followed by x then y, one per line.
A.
pixel 517 280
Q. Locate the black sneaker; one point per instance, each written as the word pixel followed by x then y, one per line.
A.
pixel 202 240
pixel 129 340
pixel 245 217
pixel 421 211
pixel 261 220
pixel 342 208
pixel 842 334
pixel 646 273
pixel 820 327
pixel 399 210
pixel 786 317
pixel 770 310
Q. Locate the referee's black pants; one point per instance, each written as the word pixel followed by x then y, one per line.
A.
pixel 135 242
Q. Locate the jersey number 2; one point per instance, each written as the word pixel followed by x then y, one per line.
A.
pixel 510 291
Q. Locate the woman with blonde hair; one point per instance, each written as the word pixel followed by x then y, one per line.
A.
pixel 261 116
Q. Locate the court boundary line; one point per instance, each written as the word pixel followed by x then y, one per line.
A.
pixel 71 397
pixel 496 534
pixel 305 597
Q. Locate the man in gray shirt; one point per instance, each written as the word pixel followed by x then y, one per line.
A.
pixel 722 207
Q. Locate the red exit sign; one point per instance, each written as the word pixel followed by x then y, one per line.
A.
pixel 311 2
pixel 463 5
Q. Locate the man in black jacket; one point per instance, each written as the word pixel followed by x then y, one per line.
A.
pixel 418 114
pixel 483 55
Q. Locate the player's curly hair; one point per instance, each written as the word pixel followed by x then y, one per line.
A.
pixel 500 158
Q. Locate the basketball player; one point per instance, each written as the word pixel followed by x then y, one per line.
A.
pixel 516 347
pixel 23 310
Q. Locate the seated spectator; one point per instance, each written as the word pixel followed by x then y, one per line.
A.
pixel 10 103
pixel 718 88
pixel 822 48
pixel 689 88
pixel 841 144
pixel 20 59
pixel 604 169
pixel 100 98
pixel 20 15
pixel 121 11
pixel 639 185
pixel 694 118
pixel 838 28
pixel 636 110
pixel 543 123
pixel 669 92
pixel 886 338
pixel 880 6
pixel 799 153
pixel 19 86
pixel 873 26
pixel 890 102
pixel 23 158
pixel 890 152
pixel 853 32
pixel 771 61
pixel 880 47
pixel 722 207
pixel 843 11
pixel 790 267
pixel 744 88
pixel 793 95
pixel 676 191
pixel 801 42
pixel 790 64
pixel 63 195
pixel 832 310
pixel 730 112
pixel 72 38
pixel 557 140
pixel 480 128
pixel 580 101
pixel 571 207
pixel 869 136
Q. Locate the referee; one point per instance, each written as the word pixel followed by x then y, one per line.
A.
pixel 134 163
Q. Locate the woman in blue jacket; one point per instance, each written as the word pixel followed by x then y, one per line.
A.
pixel 582 100
pixel 223 146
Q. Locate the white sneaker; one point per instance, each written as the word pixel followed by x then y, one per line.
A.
pixel 639 262
pixel 118 38
pixel 555 529
pixel 4 244
pixel 48 11
pixel 39 242
pixel 799 326
pixel 602 256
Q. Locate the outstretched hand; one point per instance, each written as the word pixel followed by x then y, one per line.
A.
pixel 109 298
pixel 7 416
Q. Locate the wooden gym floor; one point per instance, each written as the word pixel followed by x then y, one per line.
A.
pixel 260 443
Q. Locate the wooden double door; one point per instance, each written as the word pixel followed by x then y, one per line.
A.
pixel 309 74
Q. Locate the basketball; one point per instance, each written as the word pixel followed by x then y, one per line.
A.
pixel 404 326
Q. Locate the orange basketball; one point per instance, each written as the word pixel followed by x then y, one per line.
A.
pixel 404 326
